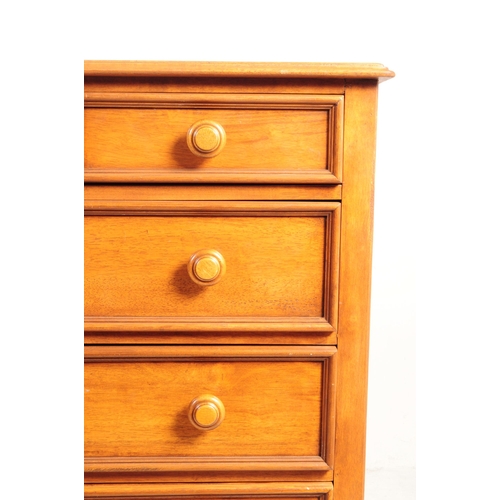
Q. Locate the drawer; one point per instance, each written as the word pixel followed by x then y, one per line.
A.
pixel 211 266
pixel 261 491
pixel 192 138
pixel 214 410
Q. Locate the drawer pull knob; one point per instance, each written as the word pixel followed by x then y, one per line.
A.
pixel 206 267
pixel 206 138
pixel 206 412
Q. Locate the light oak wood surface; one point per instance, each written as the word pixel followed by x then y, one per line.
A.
pixel 237 69
pixel 204 192
pixel 278 406
pixel 280 259
pixel 156 138
pixel 138 137
pixel 206 138
pixel 218 85
pixel 354 299
pixel 254 386
pixel 264 491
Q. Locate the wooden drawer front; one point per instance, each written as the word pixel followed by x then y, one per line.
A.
pixel 260 491
pixel 277 401
pixel 268 138
pixel 280 259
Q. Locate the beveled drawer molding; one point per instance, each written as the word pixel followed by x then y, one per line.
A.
pixel 203 192
pixel 259 491
pixel 271 424
pixel 280 266
pixel 268 138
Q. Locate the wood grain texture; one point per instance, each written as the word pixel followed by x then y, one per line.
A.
pixel 204 192
pixel 237 69
pixel 234 85
pixel 281 266
pixel 143 137
pixel 284 491
pixel 137 401
pixel 156 139
pixel 300 145
pixel 282 333
pixel 129 475
pixel 354 298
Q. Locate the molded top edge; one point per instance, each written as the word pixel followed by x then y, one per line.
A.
pixel 237 69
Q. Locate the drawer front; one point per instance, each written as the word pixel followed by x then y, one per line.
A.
pixel 213 138
pixel 179 408
pixel 194 266
pixel 261 491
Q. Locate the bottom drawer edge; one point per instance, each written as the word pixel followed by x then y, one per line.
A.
pixel 283 490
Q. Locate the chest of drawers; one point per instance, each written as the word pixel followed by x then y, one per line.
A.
pixel 228 223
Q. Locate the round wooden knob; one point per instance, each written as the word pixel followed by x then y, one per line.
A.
pixel 206 138
pixel 206 267
pixel 206 412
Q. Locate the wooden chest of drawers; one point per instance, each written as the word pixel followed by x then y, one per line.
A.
pixel 228 222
